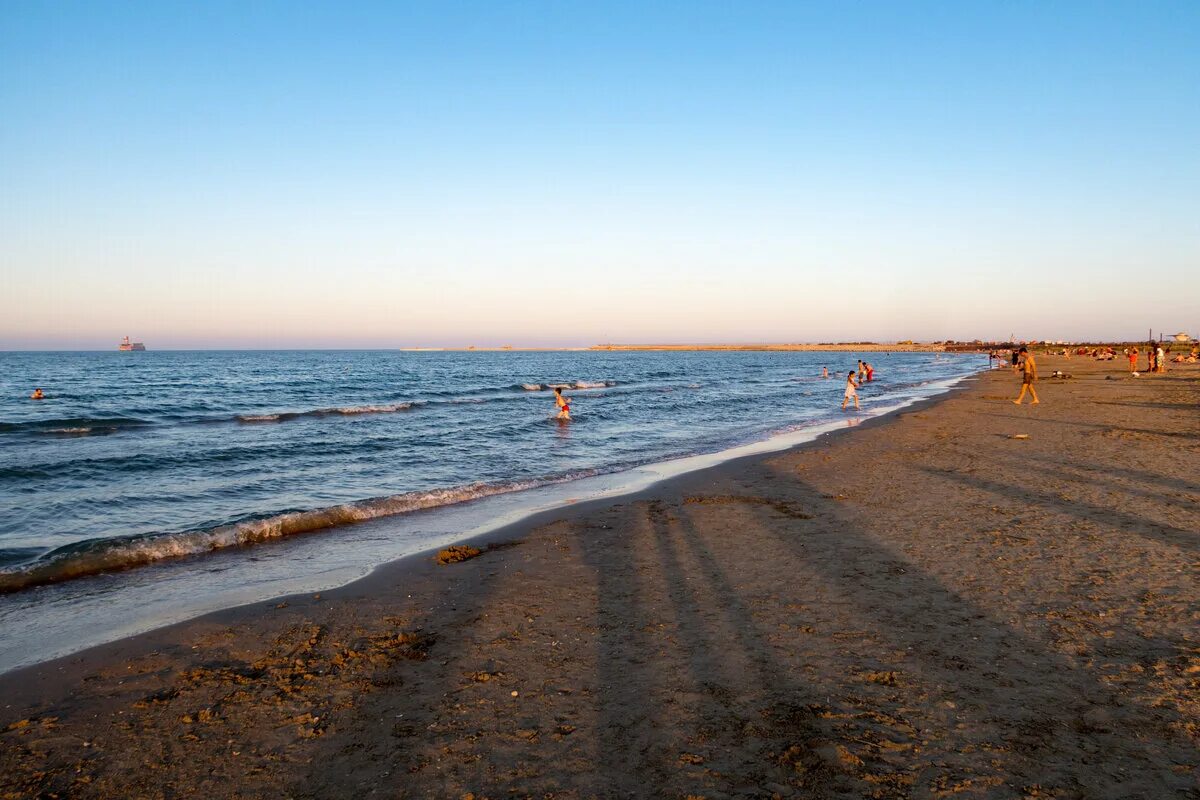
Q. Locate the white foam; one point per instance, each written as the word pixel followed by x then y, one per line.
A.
pixel 117 554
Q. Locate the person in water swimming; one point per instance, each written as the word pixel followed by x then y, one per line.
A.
pixel 37 395
pixel 564 405
pixel 824 372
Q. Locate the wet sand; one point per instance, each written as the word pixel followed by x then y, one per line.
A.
pixel 922 607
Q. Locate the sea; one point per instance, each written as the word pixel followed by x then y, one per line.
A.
pixel 151 487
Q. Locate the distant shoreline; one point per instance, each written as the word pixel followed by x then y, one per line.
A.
pixel 828 347
pixel 825 347
pixel 907 347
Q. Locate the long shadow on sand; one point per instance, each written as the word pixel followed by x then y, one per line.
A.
pixel 1129 523
pixel 789 642
pixel 1154 479
pixel 1100 426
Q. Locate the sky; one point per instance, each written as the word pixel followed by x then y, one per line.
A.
pixel 221 174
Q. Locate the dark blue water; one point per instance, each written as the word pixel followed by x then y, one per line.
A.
pixel 137 457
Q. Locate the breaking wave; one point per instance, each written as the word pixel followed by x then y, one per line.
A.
pixel 348 411
pixel 538 387
pixel 109 555
pixel 73 426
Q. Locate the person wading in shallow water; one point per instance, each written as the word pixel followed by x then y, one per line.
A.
pixel 564 405
pixel 850 393
pixel 1028 376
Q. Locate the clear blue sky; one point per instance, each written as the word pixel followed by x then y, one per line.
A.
pixel 295 174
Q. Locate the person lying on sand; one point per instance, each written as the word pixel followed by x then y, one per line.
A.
pixel 1028 376
pixel 851 386
pixel 564 404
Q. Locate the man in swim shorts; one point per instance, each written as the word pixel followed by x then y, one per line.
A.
pixel 564 405
pixel 1028 376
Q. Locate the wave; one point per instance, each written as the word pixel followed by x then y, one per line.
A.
pixel 96 556
pixel 85 431
pixel 74 425
pixel 347 411
pixel 538 387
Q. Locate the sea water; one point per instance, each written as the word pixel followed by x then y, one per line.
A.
pixel 152 486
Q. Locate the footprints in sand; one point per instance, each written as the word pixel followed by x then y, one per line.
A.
pixel 784 507
pixel 292 693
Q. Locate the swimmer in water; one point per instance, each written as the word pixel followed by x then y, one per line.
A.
pixel 824 372
pixel 564 405
pixel 870 371
pixel 37 395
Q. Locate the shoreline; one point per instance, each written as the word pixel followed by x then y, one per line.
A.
pixel 779 591
pixel 478 516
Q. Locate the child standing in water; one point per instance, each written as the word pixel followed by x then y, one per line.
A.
pixel 564 405
pixel 851 386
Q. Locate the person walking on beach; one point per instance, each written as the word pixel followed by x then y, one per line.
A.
pixel 1161 359
pixel 1028 376
pixel 851 393
pixel 564 405
pixel 1015 358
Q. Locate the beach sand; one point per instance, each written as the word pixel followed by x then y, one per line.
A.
pixel 920 607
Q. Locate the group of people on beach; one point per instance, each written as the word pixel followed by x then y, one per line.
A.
pixel 1157 358
pixel 1156 362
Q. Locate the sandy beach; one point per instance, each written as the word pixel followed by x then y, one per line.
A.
pixel 922 606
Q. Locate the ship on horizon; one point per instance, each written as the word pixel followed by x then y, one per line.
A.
pixel 126 345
